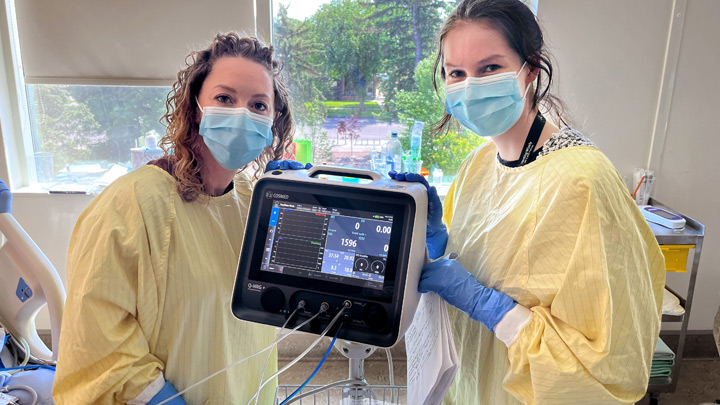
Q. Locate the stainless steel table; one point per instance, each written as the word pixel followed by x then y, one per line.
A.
pixel 692 234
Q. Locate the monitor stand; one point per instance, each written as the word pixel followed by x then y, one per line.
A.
pixel 356 390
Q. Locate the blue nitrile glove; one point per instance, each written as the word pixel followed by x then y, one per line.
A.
pixel 5 198
pixel 286 165
pixel 449 279
pixel 166 392
pixel 436 234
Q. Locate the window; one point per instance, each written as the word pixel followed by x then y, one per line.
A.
pixel 90 79
pixel 84 137
pixel 360 70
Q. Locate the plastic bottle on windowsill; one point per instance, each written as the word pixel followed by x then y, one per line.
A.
pixel 393 153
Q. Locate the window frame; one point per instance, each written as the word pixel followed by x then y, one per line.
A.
pixel 16 134
pixel 14 112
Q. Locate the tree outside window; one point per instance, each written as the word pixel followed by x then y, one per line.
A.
pixel 368 64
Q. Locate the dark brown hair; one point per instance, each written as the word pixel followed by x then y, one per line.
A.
pixel 518 25
pixel 182 142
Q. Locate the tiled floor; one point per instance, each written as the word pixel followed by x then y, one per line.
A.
pixel 699 381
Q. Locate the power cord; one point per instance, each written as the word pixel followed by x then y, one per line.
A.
pixel 300 305
pixel 26 348
pixel 315 343
pixel 327 352
pixel 31 391
pixel 240 361
pixel 17 344
pixel 28 367
pixel 5 339
pixel 391 374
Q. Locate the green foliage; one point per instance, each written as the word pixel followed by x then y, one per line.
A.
pixel 449 151
pixel 66 127
pixel 408 29
pixel 351 44
pixel 346 112
pixel 349 104
pixel 301 51
pixel 124 113
pixel 423 104
pixel 348 108
pixel 358 42
pixel 311 128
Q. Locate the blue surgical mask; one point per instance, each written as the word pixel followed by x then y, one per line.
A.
pixel 235 136
pixel 489 105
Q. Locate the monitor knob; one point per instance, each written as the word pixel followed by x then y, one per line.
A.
pixel 272 299
pixel 375 316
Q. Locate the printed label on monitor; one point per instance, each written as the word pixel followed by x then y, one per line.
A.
pixel 340 245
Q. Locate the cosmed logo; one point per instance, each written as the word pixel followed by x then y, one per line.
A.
pixel 270 194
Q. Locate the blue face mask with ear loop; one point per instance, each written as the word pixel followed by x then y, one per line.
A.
pixel 235 136
pixel 489 105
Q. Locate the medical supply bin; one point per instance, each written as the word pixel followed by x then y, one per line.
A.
pixel 676 257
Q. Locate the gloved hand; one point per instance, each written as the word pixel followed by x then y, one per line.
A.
pixel 436 234
pixel 166 392
pixel 449 279
pixel 5 198
pixel 286 164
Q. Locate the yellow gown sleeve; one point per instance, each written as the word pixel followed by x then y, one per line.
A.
pixel 112 305
pixel 592 341
pixel 448 205
pixel 449 200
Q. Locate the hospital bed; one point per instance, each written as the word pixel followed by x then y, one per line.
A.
pixel 28 282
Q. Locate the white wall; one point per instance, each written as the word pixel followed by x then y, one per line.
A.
pixel 688 166
pixel 49 220
pixel 611 55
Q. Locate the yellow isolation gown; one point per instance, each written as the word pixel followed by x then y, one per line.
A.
pixel 150 281
pixel 564 239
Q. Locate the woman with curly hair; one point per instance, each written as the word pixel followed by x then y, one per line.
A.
pixel 152 260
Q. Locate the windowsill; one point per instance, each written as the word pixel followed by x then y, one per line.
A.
pixel 76 183
pixel 43 189
pixel 78 189
pixel 442 190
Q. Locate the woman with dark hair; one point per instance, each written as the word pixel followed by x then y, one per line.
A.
pixel 152 260
pixel 556 276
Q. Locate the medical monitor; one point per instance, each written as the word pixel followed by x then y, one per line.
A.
pixel 318 240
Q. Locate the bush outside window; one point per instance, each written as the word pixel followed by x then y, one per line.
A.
pixel 82 133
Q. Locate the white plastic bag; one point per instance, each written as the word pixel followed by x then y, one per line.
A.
pixel 671 304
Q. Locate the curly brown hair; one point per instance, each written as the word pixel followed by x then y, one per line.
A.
pixel 182 142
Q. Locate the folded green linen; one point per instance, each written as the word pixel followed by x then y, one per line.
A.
pixel 662 351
